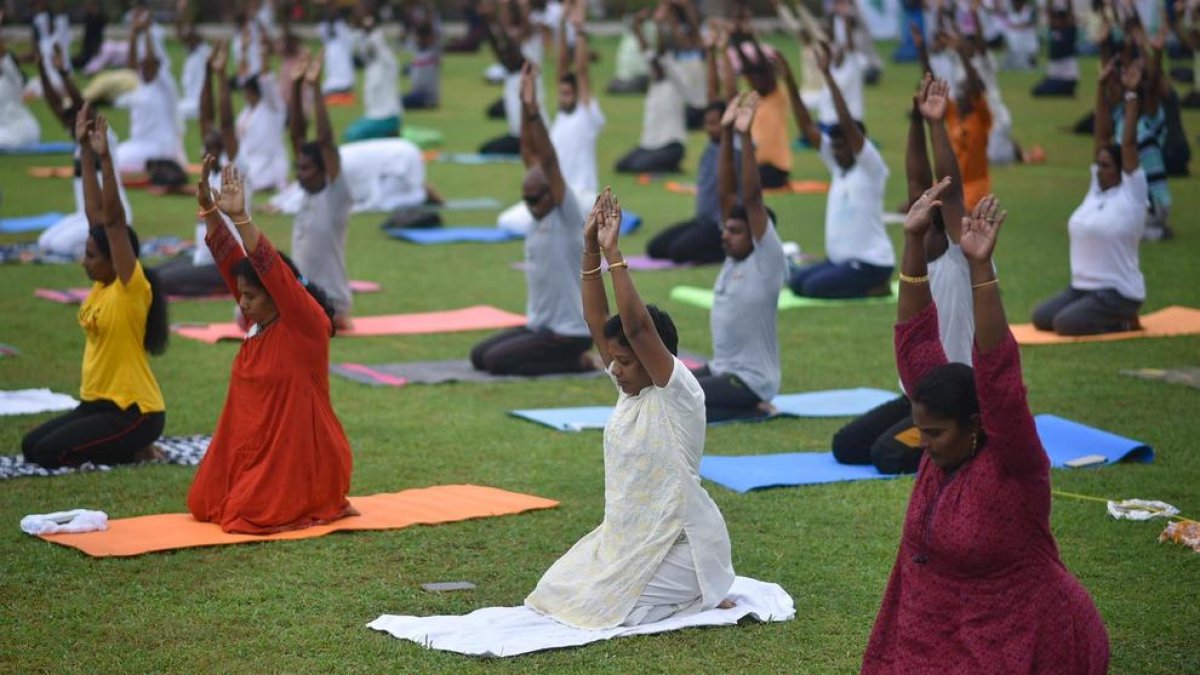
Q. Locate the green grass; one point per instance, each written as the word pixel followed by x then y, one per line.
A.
pixel 302 606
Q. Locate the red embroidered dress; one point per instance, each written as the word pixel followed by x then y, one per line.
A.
pixel 978 586
pixel 279 459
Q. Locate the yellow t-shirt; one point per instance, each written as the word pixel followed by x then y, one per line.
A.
pixel 115 364
pixel 772 144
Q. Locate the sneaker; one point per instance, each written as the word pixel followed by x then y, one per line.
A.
pixel 792 250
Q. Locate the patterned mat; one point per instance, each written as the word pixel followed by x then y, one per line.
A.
pixel 181 450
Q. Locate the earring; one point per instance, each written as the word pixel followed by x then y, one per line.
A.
pixel 974 442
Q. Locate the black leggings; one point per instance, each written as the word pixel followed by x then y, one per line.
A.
pixel 772 177
pixel 726 397
pixel 521 351
pixel 1074 312
pixel 179 276
pixel 501 145
pixel 657 160
pixel 97 432
pixel 692 241
pixel 872 439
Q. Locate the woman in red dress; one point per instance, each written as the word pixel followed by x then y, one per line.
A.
pixel 978 586
pixel 279 459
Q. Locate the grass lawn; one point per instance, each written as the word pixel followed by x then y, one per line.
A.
pixel 302 606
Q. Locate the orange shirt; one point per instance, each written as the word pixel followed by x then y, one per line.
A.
pixel 969 136
pixel 772 144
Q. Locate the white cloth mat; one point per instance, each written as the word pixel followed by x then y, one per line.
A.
pixel 73 521
pixel 512 631
pixel 31 401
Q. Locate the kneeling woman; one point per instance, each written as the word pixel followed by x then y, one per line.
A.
pixel 662 549
pixel 123 318
pixel 279 459
pixel 978 585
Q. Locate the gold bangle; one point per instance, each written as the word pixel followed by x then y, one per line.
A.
pixel 587 275
pixel 620 264
pixel 923 279
pixel 596 271
pixel 981 284
pixel 244 222
pixel 203 214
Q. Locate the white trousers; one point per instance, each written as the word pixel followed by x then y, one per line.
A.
pixel 674 590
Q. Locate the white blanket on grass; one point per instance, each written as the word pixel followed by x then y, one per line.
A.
pixel 512 631
pixel 31 401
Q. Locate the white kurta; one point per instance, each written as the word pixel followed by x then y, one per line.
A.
pixel 68 236
pixel 191 80
pixel 262 154
pixel 384 174
pixel 155 127
pixel 381 86
pixel 18 126
pixel 652 498
pixel 339 58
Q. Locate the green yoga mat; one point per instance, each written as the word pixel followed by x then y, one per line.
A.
pixel 423 137
pixel 703 297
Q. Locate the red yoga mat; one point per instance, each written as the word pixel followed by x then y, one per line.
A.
pixel 1169 322
pixel 388 511
pixel 479 317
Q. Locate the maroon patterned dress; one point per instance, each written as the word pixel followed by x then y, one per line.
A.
pixel 978 586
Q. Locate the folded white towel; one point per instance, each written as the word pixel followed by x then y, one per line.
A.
pixel 74 521
pixel 30 401
pixel 511 631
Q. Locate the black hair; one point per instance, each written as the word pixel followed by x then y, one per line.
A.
pixel 663 325
pixel 251 85
pixel 571 79
pixel 244 269
pixel 717 107
pixel 948 392
pixel 312 150
pixel 157 327
pixel 738 212
pixel 836 132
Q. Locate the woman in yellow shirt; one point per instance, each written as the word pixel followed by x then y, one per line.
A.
pixel 124 318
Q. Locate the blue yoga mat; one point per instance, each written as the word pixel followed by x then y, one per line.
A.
pixel 754 472
pixel 452 235
pixel 29 223
pixel 476 158
pixel 1065 440
pixel 833 403
pixel 52 148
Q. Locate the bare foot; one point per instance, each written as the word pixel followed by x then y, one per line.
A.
pixel 767 408
pixel 150 453
pixel 727 604
pixel 348 511
pixel 343 323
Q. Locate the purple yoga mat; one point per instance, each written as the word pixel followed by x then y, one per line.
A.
pixel 636 262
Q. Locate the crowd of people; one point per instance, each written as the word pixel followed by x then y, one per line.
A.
pixel 966 589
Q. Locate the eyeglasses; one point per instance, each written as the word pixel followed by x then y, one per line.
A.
pixel 530 200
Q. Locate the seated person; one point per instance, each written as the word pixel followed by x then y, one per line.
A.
pixel 744 373
pixel 1107 287
pixel 662 550
pixel 664 123
pixel 772 139
pixel 506 45
pixel 885 435
pixel 969 120
pixel 1020 35
pixel 68 237
pixel 1187 29
pixel 797 20
pixel 631 75
pixel 381 96
pixel 338 40
pixel 255 139
pixel 321 225
pixel 424 71
pixel 848 67
pixel 556 337
pixel 1154 143
pixel 686 50
pixel 279 459
pixel 121 412
pixel 18 126
pixel 385 174
pixel 195 64
pixel 577 124
pixel 860 258
pixel 155 143
pixel 1062 69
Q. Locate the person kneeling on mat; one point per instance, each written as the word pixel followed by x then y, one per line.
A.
pixel 555 339
pixel 124 318
pixel 664 120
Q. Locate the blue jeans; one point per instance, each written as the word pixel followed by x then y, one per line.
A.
pixel 827 279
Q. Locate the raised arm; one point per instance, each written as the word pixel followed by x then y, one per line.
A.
pixel 533 131
pixel 1130 78
pixel 727 177
pixel 935 99
pixel 915 295
pixel 583 77
pixel 854 135
pixel 53 99
pixel 917 171
pixel 93 201
pixel 636 323
pixel 138 24
pixel 799 111
pixel 979 233
pixel 922 49
pixel 297 125
pixel 651 56
pixel 595 300
pixel 229 135
pixel 124 258
pixel 226 250
pixel 325 138
pixel 1102 128
pixel 562 62
pixel 752 197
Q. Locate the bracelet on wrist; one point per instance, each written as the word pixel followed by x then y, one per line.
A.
pixel 908 279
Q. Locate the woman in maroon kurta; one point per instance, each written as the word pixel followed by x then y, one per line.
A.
pixel 978 586
pixel 279 459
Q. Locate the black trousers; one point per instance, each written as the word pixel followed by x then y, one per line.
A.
pixel 521 351
pixel 1074 312
pixel 179 276
pixel 692 241
pixel 96 431
pixel 501 145
pixel 1055 87
pixel 871 439
pixel 772 177
pixel 726 397
pixel 658 160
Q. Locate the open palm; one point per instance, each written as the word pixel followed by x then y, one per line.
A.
pixel 980 230
pixel 232 199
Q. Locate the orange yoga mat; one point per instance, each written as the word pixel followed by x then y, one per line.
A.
pixel 389 511
pixel 1169 322
pixel 797 187
pixel 479 317
pixel 69 172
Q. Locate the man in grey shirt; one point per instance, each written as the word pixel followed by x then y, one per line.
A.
pixel 556 338
pixel 744 374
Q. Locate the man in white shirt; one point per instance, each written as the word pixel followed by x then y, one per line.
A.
pixel 155 143
pixel 664 121
pixel 859 255
pixel 381 95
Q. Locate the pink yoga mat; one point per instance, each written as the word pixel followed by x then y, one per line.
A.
pixel 76 296
pixel 479 317
pixel 636 262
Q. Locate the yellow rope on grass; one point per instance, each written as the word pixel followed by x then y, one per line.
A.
pixel 1102 500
